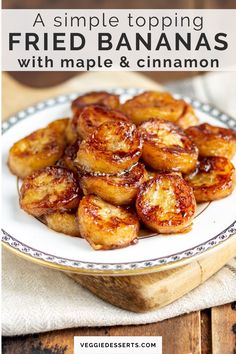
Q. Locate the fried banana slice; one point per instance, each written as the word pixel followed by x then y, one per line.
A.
pixel 39 149
pixel 111 149
pixel 166 204
pixel 106 226
pixel 65 223
pixel 166 147
pixel 86 120
pixel 101 98
pixel 70 155
pixel 48 190
pixel 188 118
pixel 71 133
pixel 214 178
pixel 153 174
pixel 213 141
pixel 118 190
pixel 60 125
pixel 92 117
pixel 159 105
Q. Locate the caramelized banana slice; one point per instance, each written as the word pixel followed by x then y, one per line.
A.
pixel 112 148
pixel 48 190
pixel 213 141
pixel 65 223
pixel 159 105
pixel 63 126
pixel 166 204
pixel 153 174
pixel 39 149
pixel 106 226
pixel 188 118
pixel 92 117
pixel 71 133
pixel 214 178
pixel 60 125
pixel 70 155
pixel 86 120
pixel 101 98
pixel 166 147
pixel 118 190
pixel 152 104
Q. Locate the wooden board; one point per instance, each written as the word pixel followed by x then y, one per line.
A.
pixel 181 335
pixel 223 323
pixel 142 293
pixel 135 293
pixel 205 332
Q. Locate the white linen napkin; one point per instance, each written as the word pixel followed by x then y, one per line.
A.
pixel 37 299
pixel 218 89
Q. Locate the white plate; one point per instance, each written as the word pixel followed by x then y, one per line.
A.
pixel 28 237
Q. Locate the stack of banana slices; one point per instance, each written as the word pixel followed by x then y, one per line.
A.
pixel 113 166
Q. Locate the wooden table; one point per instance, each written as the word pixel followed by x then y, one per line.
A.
pixel 205 332
pixel 208 331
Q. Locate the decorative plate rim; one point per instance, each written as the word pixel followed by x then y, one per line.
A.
pixel 157 264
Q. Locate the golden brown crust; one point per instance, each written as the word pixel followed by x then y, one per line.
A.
pixel 166 147
pixel 117 190
pixel 214 178
pixel 101 98
pixel 152 104
pixel 39 149
pixel 159 105
pixel 88 118
pixel 92 117
pixel 152 173
pixel 48 190
pixel 188 118
pixel 71 133
pixel 111 149
pixel 212 140
pixel 70 155
pixel 166 204
pixel 65 223
pixel 60 125
pixel 106 226
pixel 63 127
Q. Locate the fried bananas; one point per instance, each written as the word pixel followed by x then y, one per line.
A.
pixel 65 223
pixel 49 190
pixel 106 226
pixel 188 118
pixel 101 98
pixel 213 141
pixel 86 120
pixel 166 204
pixel 118 190
pixel 60 125
pixel 166 147
pixel 82 176
pixel 70 155
pixel 152 104
pixel 111 149
pixel 40 149
pixel 153 174
pixel 92 117
pixel 214 178
pixel 96 108
pixel 159 105
pixel 71 133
